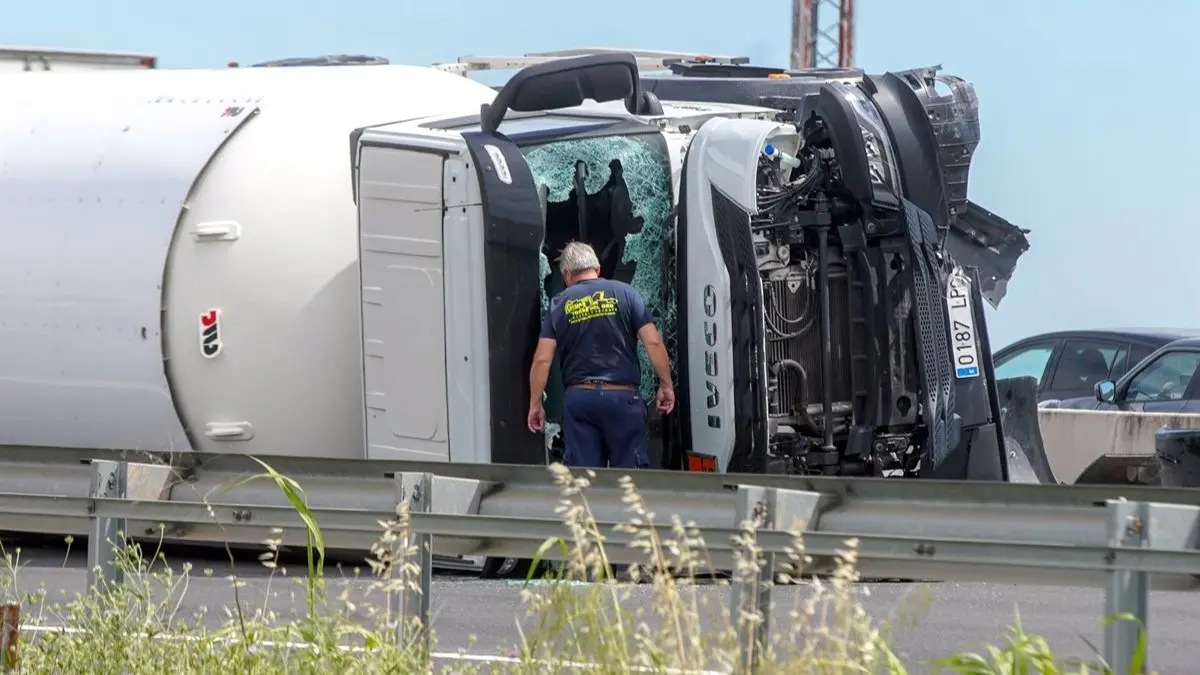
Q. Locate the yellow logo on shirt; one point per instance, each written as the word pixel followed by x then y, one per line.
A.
pixel 594 306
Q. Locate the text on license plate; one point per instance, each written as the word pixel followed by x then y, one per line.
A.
pixel 964 350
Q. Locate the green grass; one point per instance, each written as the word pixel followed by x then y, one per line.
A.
pixel 139 627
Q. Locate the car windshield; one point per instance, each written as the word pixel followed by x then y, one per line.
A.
pixel 1167 378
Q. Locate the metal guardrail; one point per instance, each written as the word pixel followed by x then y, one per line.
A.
pixel 1121 539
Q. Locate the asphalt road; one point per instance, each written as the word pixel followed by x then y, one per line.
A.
pixel 480 616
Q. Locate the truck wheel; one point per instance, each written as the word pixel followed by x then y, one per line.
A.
pixel 505 568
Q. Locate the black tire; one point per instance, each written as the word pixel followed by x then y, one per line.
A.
pixel 505 568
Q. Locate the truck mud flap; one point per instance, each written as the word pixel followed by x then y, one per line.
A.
pixel 1027 460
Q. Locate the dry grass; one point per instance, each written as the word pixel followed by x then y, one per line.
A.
pixel 138 627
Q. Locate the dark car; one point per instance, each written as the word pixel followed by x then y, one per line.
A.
pixel 1163 383
pixel 1069 364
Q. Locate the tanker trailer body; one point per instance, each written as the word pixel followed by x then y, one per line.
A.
pixel 705 208
pixel 180 257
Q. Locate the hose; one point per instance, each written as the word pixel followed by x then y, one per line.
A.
pixel 801 410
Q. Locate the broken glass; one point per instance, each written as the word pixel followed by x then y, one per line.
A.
pixel 623 213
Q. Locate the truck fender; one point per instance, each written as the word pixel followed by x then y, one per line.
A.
pixel 1024 451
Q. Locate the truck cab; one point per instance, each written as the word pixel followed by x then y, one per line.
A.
pixel 794 263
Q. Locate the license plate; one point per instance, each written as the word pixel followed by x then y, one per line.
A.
pixel 964 350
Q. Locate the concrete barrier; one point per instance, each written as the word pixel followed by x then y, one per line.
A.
pixel 1088 446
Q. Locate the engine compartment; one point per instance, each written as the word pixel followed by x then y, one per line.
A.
pixel 840 302
pixel 841 346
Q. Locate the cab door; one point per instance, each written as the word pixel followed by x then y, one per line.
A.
pixel 514 228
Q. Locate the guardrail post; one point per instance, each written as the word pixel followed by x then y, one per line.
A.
pixel 416 490
pixel 107 535
pixel 1139 525
pixel 751 598
pixel 10 633
pixel 763 509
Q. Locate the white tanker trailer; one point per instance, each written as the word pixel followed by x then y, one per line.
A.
pixel 181 261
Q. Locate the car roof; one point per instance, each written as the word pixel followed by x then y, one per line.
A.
pixel 1149 334
pixel 1163 333
pixel 1186 342
pixel 1158 336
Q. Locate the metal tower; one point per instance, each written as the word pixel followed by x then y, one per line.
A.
pixel 822 33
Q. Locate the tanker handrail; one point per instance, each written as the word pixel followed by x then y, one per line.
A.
pixel 63 51
pixel 77 55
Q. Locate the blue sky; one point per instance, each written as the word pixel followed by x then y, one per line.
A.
pixel 1077 141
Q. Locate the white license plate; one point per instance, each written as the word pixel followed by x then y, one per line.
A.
pixel 964 349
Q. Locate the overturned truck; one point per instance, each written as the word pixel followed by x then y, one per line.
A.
pixel 804 239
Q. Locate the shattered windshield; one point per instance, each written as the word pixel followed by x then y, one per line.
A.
pixel 622 212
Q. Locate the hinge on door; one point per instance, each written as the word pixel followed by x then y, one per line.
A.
pixel 218 230
pixel 229 431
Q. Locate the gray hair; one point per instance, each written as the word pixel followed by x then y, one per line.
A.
pixel 577 257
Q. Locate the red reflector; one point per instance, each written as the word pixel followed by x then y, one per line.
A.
pixel 701 463
pixel 150 62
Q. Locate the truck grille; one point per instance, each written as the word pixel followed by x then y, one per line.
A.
pixel 805 348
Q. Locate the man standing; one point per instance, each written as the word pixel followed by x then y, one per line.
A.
pixel 593 326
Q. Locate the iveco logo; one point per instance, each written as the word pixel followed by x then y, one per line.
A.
pixel 710 355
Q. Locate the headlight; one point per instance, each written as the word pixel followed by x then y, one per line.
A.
pixel 881 158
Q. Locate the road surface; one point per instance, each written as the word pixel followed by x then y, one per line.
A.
pixel 479 616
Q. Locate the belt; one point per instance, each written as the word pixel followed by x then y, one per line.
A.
pixel 602 386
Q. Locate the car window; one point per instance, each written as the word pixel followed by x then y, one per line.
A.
pixel 1125 360
pixel 1028 362
pixel 1164 379
pixel 1084 363
pixel 1137 354
pixel 1120 363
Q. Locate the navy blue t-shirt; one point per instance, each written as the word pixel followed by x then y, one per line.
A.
pixel 596 323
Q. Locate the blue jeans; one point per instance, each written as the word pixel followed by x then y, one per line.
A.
pixel 604 429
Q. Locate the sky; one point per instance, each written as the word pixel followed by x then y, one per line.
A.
pixel 1077 143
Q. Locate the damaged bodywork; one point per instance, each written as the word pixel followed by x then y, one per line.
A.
pixel 971 234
